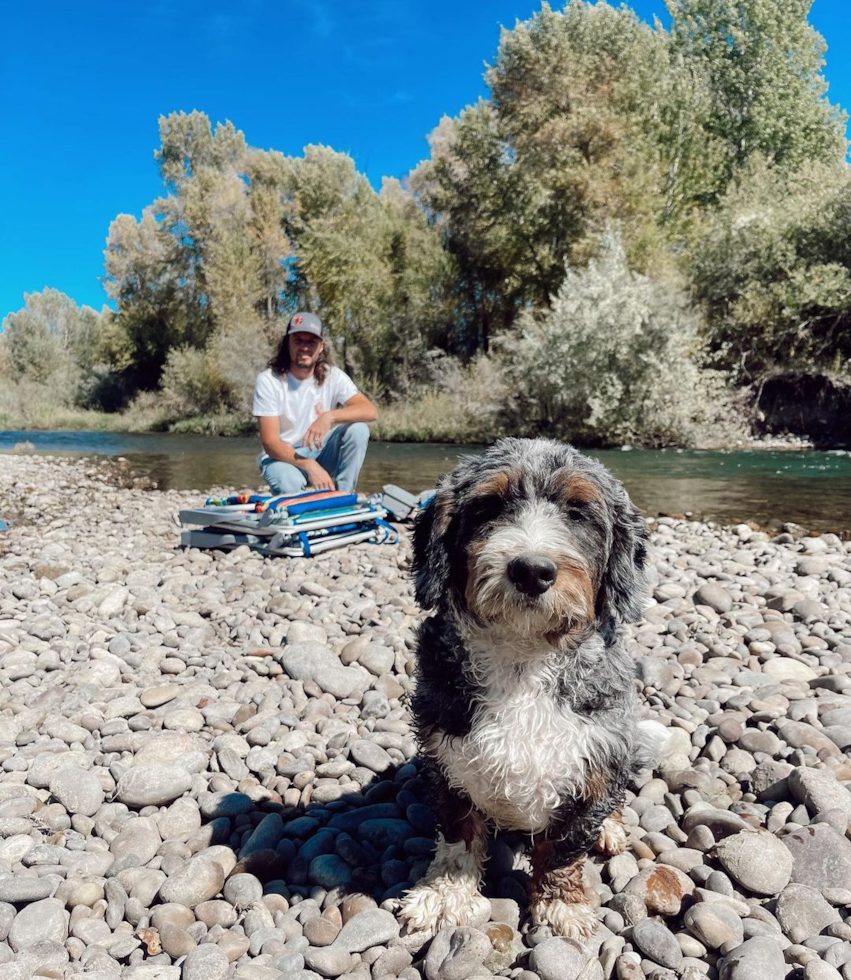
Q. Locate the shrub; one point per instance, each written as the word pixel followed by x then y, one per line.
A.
pixel 612 361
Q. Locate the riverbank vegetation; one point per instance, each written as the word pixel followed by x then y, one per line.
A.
pixel 636 231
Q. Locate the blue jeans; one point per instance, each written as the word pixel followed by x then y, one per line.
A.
pixel 341 457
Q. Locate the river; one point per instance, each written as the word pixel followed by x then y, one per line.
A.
pixel 771 487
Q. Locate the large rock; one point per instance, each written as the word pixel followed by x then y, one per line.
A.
pixel 715 596
pixel 152 785
pixel 661 888
pixel 803 913
pixel 301 661
pixel 456 953
pixel 822 858
pixel 372 927
pixel 78 790
pixel 45 921
pixel 756 860
pixel 199 880
pixel 819 790
pixel 760 958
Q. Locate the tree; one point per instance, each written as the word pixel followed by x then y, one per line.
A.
pixel 764 64
pixel 51 339
pixel 773 271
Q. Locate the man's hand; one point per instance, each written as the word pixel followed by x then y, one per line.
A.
pixel 314 438
pixel 316 476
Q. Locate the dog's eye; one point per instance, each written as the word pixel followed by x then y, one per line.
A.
pixel 487 508
pixel 575 514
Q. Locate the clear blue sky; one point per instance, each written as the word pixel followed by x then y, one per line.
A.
pixel 83 84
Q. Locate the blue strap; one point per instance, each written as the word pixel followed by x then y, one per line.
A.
pixel 391 535
pixel 305 543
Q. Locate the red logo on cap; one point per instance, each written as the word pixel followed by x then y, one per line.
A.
pixel 297 320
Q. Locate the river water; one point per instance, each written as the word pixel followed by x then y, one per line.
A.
pixel 771 487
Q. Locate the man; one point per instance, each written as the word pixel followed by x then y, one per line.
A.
pixel 308 439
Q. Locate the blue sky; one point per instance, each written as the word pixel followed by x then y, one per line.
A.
pixel 84 82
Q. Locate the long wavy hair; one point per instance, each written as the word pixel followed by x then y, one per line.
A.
pixel 280 360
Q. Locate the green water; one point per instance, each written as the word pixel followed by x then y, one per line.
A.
pixel 771 487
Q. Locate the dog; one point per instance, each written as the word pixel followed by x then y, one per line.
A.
pixel 532 558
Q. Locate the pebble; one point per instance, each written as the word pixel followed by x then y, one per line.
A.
pixel 756 860
pixel 39 922
pixel 152 785
pixel 759 958
pixel 78 790
pixel 657 942
pixel 207 962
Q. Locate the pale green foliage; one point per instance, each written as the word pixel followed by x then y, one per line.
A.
pixel 460 404
pixel 612 360
pixel 764 62
pixel 774 271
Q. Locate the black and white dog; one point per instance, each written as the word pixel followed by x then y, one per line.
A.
pixel 532 557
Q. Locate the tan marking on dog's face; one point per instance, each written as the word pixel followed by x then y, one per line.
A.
pixel 497 484
pixel 576 488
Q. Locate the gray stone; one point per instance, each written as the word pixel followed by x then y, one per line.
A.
pixel 242 889
pixel 555 959
pixel 371 756
pixel 803 913
pixel 819 790
pixel 342 682
pixel 327 961
pixel 154 785
pixel 199 880
pixel 21 889
pixel 756 860
pixel 715 596
pixel 822 858
pixel 302 660
pixel 714 925
pixel 657 942
pixel 372 927
pixel 44 921
pixel 78 790
pixel 207 962
pixel 377 658
pixel 760 958
pixel 455 954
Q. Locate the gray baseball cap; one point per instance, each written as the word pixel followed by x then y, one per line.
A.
pixel 305 323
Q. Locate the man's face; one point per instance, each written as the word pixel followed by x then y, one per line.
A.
pixel 305 349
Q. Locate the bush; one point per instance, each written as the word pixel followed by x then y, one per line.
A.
pixel 613 361
pixel 193 384
pixel 460 404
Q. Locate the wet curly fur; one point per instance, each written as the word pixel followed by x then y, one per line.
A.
pixel 531 557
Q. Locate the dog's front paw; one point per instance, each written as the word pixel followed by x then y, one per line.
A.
pixel 443 904
pixel 572 920
pixel 613 838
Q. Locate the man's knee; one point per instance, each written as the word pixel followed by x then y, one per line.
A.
pixel 357 433
pixel 284 477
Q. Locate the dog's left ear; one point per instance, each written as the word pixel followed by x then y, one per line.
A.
pixel 623 588
pixel 431 565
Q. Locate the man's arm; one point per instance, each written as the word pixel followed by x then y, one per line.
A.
pixel 270 437
pixel 358 408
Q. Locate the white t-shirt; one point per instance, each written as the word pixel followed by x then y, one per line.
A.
pixel 299 403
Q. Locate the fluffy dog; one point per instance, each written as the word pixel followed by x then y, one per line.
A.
pixel 532 557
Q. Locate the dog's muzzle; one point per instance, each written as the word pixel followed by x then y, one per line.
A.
pixel 532 575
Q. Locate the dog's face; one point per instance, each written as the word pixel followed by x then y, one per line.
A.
pixel 532 536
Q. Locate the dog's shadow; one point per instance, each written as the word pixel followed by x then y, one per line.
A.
pixel 376 842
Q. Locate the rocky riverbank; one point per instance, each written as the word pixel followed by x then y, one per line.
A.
pixel 208 772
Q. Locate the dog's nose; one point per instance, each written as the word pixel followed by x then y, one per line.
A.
pixel 532 574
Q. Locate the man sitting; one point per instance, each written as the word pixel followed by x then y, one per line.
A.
pixel 308 441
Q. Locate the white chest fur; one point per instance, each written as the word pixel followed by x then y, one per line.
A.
pixel 524 751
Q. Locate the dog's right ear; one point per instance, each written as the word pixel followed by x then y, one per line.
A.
pixel 431 564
